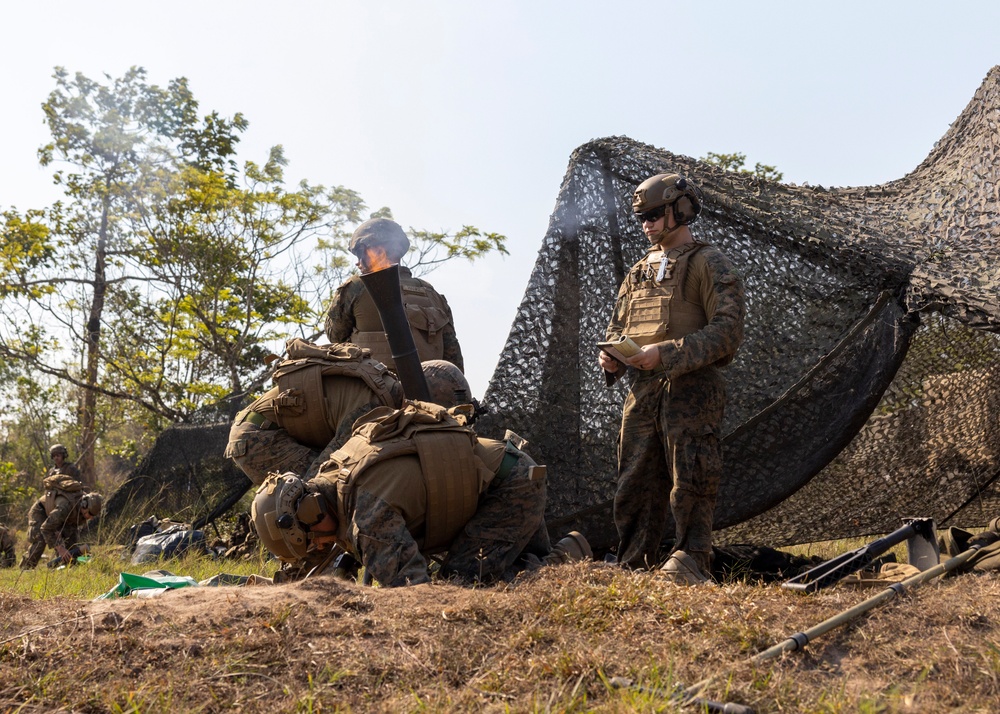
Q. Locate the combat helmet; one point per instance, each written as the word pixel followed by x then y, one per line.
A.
pixel 380 233
pixel 59 449
pixel 93 502
pixel 673 190
pixel 282 512
pixel 446 383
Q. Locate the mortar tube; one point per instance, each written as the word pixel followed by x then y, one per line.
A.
pixel 800 639
pixel 383 286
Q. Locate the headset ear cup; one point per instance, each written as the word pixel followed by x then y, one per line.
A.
pixel 684 210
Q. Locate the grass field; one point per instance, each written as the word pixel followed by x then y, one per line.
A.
pixel 552 641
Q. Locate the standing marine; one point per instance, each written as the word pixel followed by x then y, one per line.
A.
pixel 353 317
pixel 684 305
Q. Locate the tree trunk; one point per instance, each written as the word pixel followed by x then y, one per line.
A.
pixel 88 416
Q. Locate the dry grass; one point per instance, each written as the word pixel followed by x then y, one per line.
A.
pixel 550 642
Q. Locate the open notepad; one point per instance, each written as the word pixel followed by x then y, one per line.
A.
pixel 621 349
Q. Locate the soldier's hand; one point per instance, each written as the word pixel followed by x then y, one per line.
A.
pixel 63 554
pixel 649 358
pixel 607 362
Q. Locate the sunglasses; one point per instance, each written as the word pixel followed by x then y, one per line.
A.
pixel 652 215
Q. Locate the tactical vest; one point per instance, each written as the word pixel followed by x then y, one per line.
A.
pixel 60 485
pixel 657 309
pixel 302 403
pixel 426 311
pixel 452 473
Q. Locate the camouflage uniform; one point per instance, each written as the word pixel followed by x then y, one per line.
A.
pixel 55 518
pixel 668 451
pixel 68 468
pixel 353 317
pixel 7 542
pixel 260 444
pixel 383 515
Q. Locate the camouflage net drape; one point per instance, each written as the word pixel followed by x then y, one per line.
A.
pixel 868 387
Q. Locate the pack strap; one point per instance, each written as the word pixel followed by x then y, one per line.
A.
pixel 510 456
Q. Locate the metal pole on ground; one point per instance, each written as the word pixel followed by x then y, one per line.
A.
pixel 801 639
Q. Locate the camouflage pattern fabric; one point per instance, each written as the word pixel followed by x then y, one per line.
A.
pixel 58 527
pixel 384 526
pixel 669 461
pixel 669 454
pixel 508 525
pixel 867 386
pixel 68 468
pixel 7 543
pixel 341 318
pixel 258 451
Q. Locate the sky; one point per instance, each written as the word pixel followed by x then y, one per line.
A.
pixel 464 112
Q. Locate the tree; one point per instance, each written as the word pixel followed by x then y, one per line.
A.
pixel 168 269
pixel 737 161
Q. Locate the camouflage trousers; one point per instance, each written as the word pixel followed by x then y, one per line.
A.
pixel 669 463
pixel 7 542
pixel 509 523
pixel 258 452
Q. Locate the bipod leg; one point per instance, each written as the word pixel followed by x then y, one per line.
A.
pixel 836 569
pixel 800 639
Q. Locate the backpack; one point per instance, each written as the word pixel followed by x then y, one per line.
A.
pixel 301 406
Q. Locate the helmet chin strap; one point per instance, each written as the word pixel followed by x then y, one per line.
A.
pixel 666 233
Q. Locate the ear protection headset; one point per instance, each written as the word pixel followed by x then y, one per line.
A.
pixel 685 210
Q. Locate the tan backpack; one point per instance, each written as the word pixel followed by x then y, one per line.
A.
pixel 301 405
pixel 445 446
pixel 58 485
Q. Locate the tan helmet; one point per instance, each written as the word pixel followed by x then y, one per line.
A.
pixel 93 503
pixel 446 383
pixel 380 233
pixel 59 449
pixel 684 198
pixel 282 512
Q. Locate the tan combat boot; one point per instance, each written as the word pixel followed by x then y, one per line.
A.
pixel 573 547
pixel 681 569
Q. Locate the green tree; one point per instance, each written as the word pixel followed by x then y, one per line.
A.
pixel 737 162
pixel 168 268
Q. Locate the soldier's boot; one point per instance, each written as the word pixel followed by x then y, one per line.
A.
pixel 573 547
pixel 682 569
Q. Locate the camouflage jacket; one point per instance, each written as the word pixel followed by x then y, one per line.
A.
pixel 714 284
pixel 68 468
pixel 341 317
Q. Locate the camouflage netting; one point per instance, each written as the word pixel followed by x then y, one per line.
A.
pixel 184 477
pixel 869 383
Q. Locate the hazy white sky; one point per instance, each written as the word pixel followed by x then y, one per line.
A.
pixel 457 113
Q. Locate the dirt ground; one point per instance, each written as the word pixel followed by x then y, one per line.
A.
pixel 550 642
